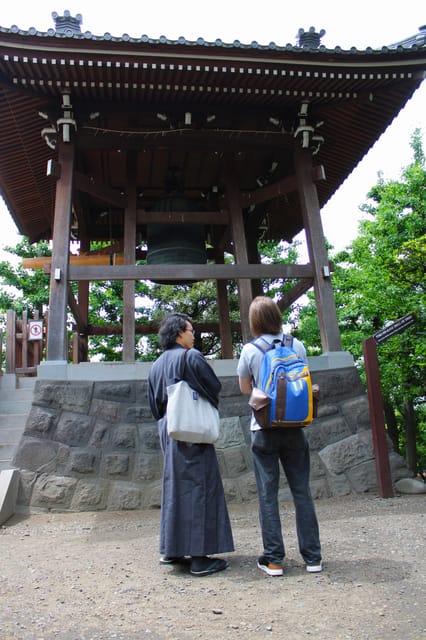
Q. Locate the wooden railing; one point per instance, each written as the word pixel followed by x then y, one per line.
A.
pixel 25 342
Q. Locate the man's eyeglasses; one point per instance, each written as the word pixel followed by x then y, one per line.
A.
pixel 191 330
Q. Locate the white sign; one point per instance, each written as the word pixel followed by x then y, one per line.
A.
pixel 35 330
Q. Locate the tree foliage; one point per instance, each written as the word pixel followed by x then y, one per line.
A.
pixel 378 279
pixel 22 288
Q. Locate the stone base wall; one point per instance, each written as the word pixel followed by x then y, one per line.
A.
pixel 91 446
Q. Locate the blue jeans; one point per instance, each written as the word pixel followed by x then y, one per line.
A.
pixel 290 447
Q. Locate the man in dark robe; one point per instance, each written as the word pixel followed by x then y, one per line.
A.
pixel 194 516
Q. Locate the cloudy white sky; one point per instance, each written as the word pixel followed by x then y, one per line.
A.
pixel 360 24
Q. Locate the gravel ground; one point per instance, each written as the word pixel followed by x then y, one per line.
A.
pixel 95 576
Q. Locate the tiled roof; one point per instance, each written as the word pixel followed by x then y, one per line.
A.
pixel 70 28
pixel 136 94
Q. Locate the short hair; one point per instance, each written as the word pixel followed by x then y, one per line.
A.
pixel 170 327
pixel 264 316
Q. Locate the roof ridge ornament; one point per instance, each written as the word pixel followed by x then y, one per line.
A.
pixel 67 24
pixel 309 39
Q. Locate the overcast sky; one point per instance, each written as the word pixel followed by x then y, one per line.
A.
pixel 360 24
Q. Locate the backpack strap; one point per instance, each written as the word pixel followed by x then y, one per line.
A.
pixel 288 340
pixel 268 345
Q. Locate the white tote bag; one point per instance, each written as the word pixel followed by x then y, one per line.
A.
pixel 191 417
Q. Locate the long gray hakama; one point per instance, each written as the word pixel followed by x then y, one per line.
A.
pixel 194 516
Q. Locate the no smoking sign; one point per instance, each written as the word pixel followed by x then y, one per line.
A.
pixel 35 330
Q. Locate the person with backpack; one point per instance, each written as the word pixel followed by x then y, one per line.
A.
pixel 272 445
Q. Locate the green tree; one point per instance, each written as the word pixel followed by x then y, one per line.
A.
pixel 23 289
pixel 378 279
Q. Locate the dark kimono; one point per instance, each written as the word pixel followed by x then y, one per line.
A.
pixel 194 516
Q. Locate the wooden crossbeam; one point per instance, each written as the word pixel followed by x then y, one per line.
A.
pixel 183 272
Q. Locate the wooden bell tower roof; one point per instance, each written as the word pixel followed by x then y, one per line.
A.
pixel 186 105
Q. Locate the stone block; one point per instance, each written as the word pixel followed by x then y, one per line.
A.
pixel 115 391
pixel 326 409
pixel 220 455
pixel 235 461
pixel 345 454
pixel 100 434
pixel 317 466
pixel 230 386
pixel 123 436
pixel 27 480
pixel 148 438
pixel 338 384
pixel 327 430
pixel 124 496
pixel 34 455
pixel 41 422
pixel 53 492
pixel 116 464
pixel 82 462
pixel 105 410
pixel 232 491
pixel 350 452
pixel 70 396
pixel 151 498
pixel 88 496
pixel 320 489
pixel 138 413
pixel 231 433
pixel 339 485
pixel 234 406
pixel 363 477
pixel 247 487
pixel 357 413
pixel 147 466
pixel 74 429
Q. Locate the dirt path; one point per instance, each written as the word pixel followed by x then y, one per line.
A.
pixel 96 576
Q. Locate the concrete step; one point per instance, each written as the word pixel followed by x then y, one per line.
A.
pixel 7 451
pixel 20 394
pixel 14 406
pixel 16 394
pixel 12 421
pixel 11 435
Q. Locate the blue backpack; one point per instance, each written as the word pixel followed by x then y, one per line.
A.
pixel 284 397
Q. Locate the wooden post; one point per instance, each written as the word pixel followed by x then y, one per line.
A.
pixel 233 196
pixel 10 341
pixel 326 308
pixel 375 400
pixel 57 339
pixel 129 258
pixel 223 308
pixel 83 304
pixel 24 340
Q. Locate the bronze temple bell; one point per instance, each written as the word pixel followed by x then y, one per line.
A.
pixel 176 243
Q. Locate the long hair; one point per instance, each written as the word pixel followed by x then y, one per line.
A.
pixel 264 316
pixel 170 327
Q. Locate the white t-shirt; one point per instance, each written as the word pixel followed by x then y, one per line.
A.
pixel 251 358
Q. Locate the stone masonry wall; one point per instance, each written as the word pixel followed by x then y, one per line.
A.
pixel 91 446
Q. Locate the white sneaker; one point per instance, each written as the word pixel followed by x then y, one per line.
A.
pixel 315 567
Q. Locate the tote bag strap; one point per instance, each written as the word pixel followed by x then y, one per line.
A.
pixel 182 364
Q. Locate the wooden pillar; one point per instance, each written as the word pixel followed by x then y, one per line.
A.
pixel 129 258
pixel 326 308
pixel 83 304
pixel 56 339
pixel 254 258
pixel 10 341
pixel 223 308
pixel 233 197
